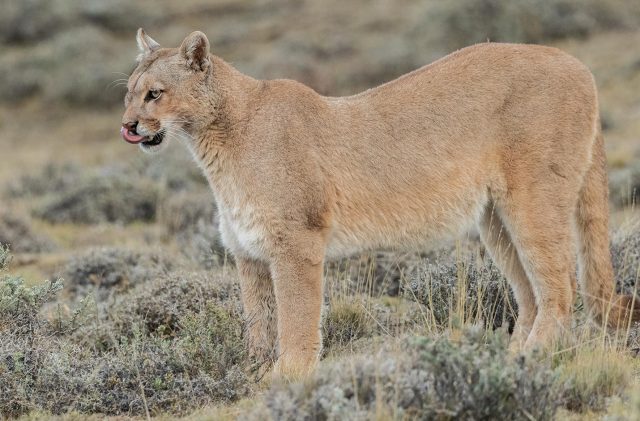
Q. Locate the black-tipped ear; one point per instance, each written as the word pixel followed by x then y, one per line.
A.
pixel 146 44
pixel 195 49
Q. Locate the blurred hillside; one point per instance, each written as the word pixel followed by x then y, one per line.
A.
pixel 61 57
pixel 68 52
pixel 63 63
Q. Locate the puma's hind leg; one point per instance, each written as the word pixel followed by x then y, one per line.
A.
pixel 540 226
pixel 498 243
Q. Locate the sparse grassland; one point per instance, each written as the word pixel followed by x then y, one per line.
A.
pixel 142 316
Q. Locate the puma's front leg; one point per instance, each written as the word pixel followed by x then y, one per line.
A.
pixel 298 288
pixel 259 305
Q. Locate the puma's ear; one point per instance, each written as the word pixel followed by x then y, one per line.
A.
pixel 146 44
pixel 195 49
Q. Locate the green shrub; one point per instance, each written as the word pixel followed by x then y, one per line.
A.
pixel 49 366
pixel 33 20
pixel 30 20
pixel 151 374
pixel 175 171
pixel 161 303
pixel 119 15
pixel 625 408
pixel 183 212
pixel 5 257
pixel 20 305
pixel 157 306
pixel 57 49
pixel 426 379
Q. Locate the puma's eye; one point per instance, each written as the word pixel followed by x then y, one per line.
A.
pixel 153 94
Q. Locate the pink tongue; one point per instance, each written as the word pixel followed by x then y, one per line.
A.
pixel 130 137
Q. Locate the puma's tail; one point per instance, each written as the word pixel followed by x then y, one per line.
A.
pixel 595 269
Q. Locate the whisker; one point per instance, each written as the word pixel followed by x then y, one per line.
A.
pixel 116 83
pixel 178 132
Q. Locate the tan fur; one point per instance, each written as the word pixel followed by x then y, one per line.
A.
pixel 504 137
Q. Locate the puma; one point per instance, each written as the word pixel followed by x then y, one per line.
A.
pixel 502 137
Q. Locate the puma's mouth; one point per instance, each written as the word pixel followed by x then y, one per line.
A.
pixel 155 140
pixel 135 138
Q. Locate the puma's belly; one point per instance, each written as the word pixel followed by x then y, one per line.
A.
pixel 419 225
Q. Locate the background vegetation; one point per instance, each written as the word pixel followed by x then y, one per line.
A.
pixel 141 316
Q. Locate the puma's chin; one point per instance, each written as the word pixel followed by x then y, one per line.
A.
pixel 156 144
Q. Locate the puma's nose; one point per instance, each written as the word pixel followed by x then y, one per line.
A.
pixel 131 126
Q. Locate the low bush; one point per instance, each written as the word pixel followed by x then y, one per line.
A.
pixel 373 275
pixel 29 20
pixel 20 305
pixel 147 374
pixel 464 292
pixel 57 49
pixel 103 198
pixel 624 186
pixel 183 212
pixel 175 171
pixel 45 367
pixel 626 407
pixel 109 270
pixel 158 306
pixel 5 257
pixel 189 218
pixel 426 379
pixel 16 231
pixel 52 178
pixel 625 256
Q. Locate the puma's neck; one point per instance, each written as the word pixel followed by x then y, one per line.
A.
pixel 231 100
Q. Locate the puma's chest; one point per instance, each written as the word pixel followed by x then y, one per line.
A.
pixel 243 229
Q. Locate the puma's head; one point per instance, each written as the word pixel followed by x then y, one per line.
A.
pixel 168 92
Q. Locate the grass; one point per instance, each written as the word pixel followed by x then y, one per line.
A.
pixel 173 343
pixel 594 374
